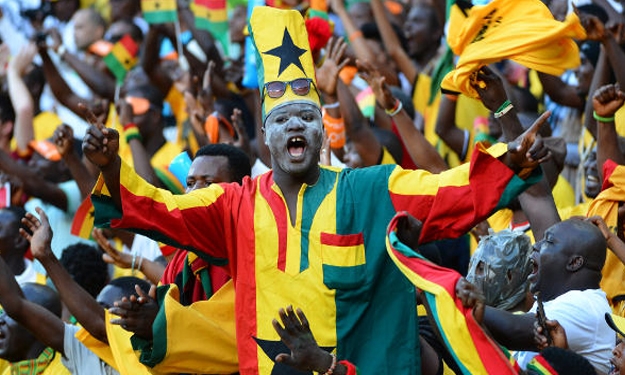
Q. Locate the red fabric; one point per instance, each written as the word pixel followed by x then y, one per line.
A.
pixel 406 161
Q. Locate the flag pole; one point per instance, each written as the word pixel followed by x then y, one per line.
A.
pixel 182 61
pixel 118 87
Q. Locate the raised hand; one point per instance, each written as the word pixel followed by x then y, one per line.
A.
pixel 39 233
pixel 378 84
pixel 137 314
pixel 607 100
pixel 489 87
pixel 305 355
pixel 335 61
pixel 100 144
pixel 595 29
pixel 63 138
pixel 242 141
pixel 111 255
pixel 528 150
pixel 556 331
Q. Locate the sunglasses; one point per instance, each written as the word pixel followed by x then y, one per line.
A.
pixel 276 89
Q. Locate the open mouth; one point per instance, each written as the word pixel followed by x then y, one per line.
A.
pixel 534 264
pixel 592 181
pixel 296 146
pixel 614 370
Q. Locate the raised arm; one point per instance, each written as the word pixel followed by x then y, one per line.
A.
pixel 606 101
pixel 446 128
pixel 43 324
pixel 98 81
pixel 23 102
pixel 64 140
pixel 80 303
pixel 420 150
pixel 61 90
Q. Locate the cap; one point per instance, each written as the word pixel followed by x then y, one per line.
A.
pixel 282 55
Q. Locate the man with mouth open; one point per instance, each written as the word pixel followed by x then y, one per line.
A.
pixel 311 236
pixel 566 273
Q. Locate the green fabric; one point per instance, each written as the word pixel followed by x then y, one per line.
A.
pixel 153 352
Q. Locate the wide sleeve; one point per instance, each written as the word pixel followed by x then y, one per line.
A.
pixel 450 203
pixel 199 338
pixel 193 221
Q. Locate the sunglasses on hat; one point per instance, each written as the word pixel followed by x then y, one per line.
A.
pixel 299 86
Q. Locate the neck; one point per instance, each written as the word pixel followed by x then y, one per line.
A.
pixel 35 350
pixel 424 58
pixel 289 183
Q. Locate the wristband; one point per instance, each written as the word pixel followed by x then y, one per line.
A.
pixel 395 110
pixel 351 369
pixel 332 366
pixel 131 131
pixel 335 128
pixel 355 35
pixel 505 108
pixel 601 118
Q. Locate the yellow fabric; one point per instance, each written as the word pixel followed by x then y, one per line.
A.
pixel 119 342
pixel 102 350
pixel 44 125
pixel 54 368
pixel 387 158
pixel 501 220
pixel 499 30
pixel 190 328
pixel 271 67
pixel 118 353
pixel 606 205
pixel 577 210
pixel 563 194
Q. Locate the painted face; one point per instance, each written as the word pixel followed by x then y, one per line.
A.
pixel 15 341
pixel 206 170
pixel 617 361
pixel 294 134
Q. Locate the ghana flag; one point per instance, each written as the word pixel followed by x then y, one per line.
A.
pixel 122 57
pixel 211 15
pixel 474 351
pixel 159 11
pixel 82 225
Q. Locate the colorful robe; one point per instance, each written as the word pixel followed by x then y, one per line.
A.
pixel 332 262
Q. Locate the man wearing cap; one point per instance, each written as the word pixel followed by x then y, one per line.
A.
pixel 308 235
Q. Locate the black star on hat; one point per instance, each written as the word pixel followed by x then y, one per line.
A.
pixel 288 53
pixel 273 348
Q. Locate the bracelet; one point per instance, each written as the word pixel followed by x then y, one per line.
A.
pixel 503 106
pixel 332 366
pixel 131 131
pixel 355 35
pixel 332 105
pixel 501 112
pixel 351 369
pixel 398 107
pixel 335 129
pixel 601 118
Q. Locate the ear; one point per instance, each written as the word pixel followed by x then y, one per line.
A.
pixel 262 130
pixel 575 263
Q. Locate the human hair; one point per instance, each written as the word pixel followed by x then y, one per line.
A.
pixel 238 161
pixel 85 265
pixel 127 285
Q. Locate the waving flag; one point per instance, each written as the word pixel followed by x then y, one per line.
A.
pixel 122 57
pixel 474 351
pixel 82 225
pixel 159 11
pixel 211 15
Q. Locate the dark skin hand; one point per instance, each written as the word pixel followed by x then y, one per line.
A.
pixel 556 331
pixel 305 355
pixel 409 230
pixel 471 296
pixel 136 314
pixel 527 151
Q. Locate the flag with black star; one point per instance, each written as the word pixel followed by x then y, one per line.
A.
pixel 282 53
pixel 122 57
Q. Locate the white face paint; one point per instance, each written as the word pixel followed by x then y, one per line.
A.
pixel 294 135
